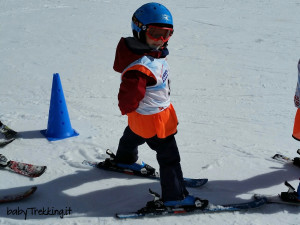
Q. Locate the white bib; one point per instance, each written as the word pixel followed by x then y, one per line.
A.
pixel 157 97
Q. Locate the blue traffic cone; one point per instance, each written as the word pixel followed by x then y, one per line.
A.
pixel 59 125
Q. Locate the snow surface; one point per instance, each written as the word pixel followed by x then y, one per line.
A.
pixel 234 73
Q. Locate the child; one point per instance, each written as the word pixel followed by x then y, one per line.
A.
pixel 144 96
pixel 296 130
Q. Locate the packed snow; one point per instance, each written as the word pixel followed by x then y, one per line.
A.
pixel 234 73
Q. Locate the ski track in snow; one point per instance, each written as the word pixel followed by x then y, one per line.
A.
pixel 233 67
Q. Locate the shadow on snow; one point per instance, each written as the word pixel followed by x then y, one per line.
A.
pixel 128 197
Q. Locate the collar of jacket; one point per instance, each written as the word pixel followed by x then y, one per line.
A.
pixel 130 49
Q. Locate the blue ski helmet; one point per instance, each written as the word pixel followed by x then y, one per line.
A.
pixel 150 13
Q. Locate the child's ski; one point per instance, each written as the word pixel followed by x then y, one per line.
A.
pixel 25 169
pixel 18 196
pixel 189 182
pixel 194 210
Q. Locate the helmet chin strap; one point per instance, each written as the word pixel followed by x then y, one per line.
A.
pixel 160 48
pixel 156 47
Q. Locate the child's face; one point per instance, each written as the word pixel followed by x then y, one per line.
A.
pixel 154 44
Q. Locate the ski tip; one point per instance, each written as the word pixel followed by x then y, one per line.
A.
pixel 118 216
pixel 4 143
pixel 89 163
pixel 204 180
pixel 18 196
pixel 28 193
pixel 85 162
pixel 34 188
pixel 44 168
pixel 195 182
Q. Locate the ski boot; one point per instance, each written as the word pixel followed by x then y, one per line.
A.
pixel 189 203
pixel 138 166
pixel 291 195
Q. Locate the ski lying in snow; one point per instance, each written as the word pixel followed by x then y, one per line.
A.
pixel 17 197
pixel 7 135
pixel 286 159
pixel 189 182
pixel 25 169
pixel 194 210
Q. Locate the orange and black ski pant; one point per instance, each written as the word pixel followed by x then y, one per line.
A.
pixel 168 158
